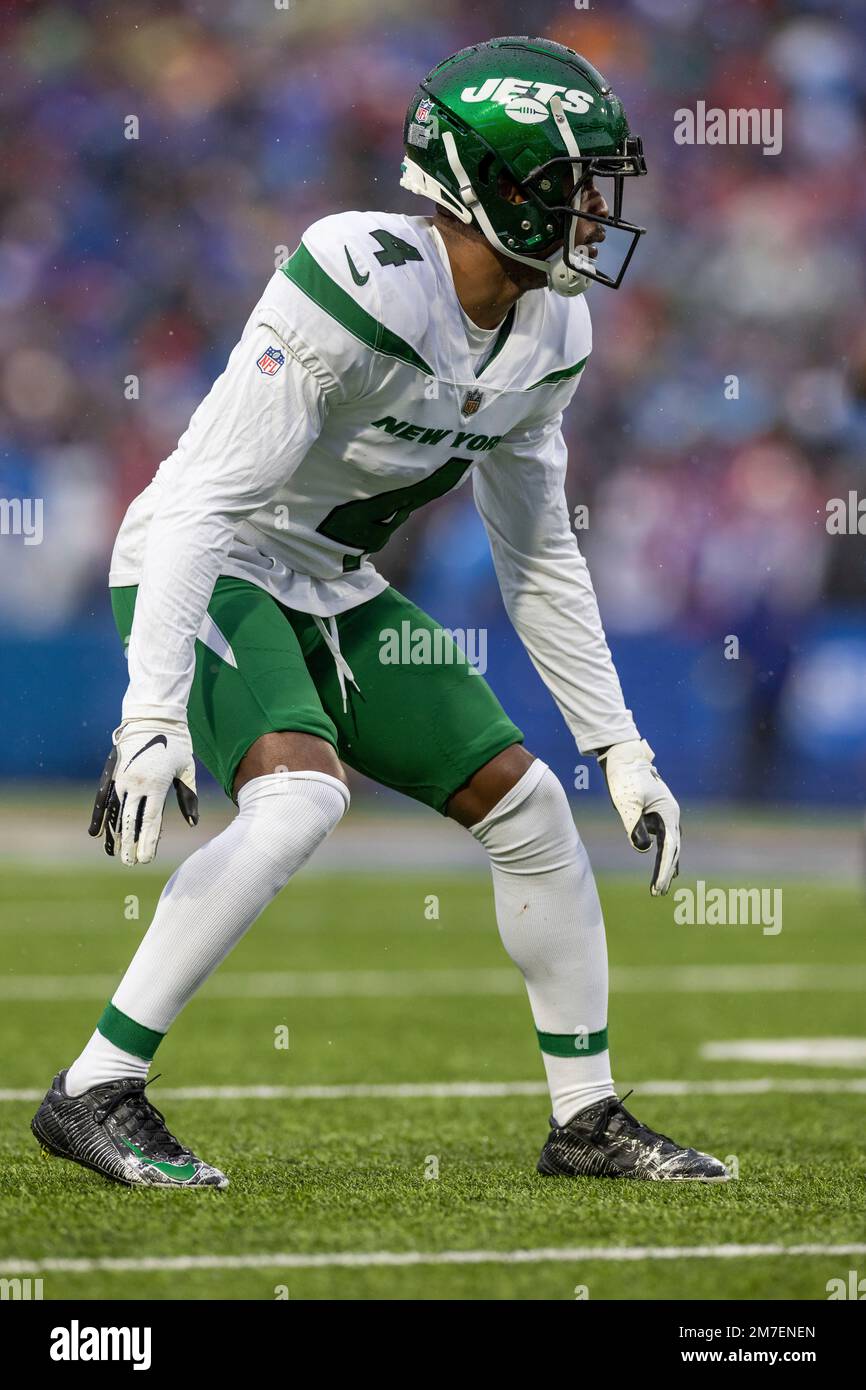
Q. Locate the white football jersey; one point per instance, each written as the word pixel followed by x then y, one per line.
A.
pixel 367 304
pixel 350 400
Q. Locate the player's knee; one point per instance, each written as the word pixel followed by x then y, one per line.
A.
pixel 291 813
pixel 531 830
pixel 287 751
pixel 326 800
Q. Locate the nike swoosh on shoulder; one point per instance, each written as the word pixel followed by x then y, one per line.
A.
pixel 356 274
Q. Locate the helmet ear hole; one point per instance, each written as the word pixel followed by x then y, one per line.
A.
pixel 485 165
pixel 509 190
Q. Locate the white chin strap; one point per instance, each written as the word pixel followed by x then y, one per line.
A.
pixel 561 278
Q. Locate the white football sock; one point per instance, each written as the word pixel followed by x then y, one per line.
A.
pixel 551 925
pixel 102 1061
pixel 205 908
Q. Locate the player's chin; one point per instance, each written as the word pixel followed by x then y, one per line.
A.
pixel 524 277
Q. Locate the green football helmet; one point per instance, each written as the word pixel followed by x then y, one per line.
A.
pixel 530 115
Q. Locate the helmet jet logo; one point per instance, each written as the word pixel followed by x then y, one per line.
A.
pixel 505 91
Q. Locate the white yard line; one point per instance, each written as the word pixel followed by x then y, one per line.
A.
pixel 276 984
pixel 801 1052
pixel 487 1090
pixel 361 1259
pixel 375 984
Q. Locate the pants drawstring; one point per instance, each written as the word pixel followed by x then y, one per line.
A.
pixel 331 638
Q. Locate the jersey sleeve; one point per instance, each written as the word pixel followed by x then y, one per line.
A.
pixel 244 441
pixel 545 583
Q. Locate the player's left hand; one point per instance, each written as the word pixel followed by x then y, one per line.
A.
pixel 149 756
pixel 646 807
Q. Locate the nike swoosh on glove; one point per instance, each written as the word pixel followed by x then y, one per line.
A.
pixel 148 757
pixel 646 807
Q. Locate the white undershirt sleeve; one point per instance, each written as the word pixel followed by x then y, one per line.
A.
pixel 245 439
pixel 545 583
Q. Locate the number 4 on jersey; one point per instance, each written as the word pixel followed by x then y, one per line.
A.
pixel 366 524
pixel 395 251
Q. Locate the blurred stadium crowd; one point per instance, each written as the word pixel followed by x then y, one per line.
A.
pixel 141 258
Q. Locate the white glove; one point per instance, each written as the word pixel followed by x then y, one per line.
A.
pixel 645 805
pixel 148 757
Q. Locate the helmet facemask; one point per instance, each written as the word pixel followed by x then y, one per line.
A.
pixel 580 171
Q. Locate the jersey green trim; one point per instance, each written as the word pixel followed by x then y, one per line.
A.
pixel 573 1044
pixel 501 339
pixel 564 375
pixel 304 271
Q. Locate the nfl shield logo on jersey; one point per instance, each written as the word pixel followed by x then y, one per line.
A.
pixel 472 402
pixel 270 361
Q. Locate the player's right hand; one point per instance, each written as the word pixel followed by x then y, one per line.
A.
pixel 148 757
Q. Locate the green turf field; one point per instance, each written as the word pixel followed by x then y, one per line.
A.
pixel 374 994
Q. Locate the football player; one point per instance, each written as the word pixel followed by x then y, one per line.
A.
pixel 391 359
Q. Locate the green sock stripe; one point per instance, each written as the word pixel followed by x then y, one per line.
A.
pixel 573 1044
pixel 126 1033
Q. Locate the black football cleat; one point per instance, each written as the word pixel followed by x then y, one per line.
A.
pixel 606 1141
pixel 115 1130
